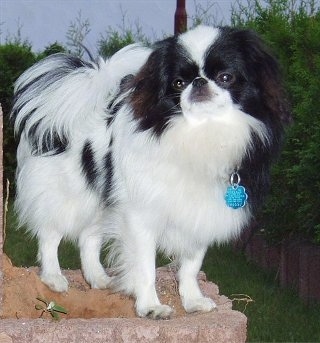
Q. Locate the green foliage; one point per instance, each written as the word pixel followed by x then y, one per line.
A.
pixel 52 49
pixel 50 307
pixel 114 42
pixel 115 39
pixel 292 29
pixel 15 57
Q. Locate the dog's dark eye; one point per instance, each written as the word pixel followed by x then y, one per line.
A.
pixel 179 84
pixel 225 79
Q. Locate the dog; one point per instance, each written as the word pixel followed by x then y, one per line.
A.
pixel 166 148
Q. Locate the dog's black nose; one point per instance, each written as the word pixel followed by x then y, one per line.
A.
pixel 199 82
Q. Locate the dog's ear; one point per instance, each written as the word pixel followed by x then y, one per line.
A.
pixel 267 76
pixel 148 100
pixel 145 88
pixel 149 85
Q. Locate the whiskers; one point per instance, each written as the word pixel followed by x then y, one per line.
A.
pixel 175 100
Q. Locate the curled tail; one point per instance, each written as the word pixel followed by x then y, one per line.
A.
pixel 54 98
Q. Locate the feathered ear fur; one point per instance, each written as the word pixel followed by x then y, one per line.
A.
pixel 149 84
pixel 145 88
pixel 265 68
pixel 270 105
pixel 151 99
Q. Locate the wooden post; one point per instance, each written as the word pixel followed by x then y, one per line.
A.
pixel 180 17
pixel 1 212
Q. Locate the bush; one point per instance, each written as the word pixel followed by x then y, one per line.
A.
pixel 126 33
pixel 14 59
pixel 292 29
pixel 113 42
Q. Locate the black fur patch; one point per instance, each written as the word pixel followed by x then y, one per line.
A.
pixel 88 164
pixel 52 143
pixel 109 172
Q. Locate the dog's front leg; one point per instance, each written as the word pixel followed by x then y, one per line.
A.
pixel 147 301
pixel 190 293
pixel 139 252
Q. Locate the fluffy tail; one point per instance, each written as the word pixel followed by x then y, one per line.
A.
pixel 57 94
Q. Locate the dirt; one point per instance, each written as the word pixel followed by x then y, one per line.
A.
pixel 22 287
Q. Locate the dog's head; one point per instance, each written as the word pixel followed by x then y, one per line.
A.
pixel 209 74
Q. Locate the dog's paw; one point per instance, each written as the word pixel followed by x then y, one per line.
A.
pixel 156 312
pixel 199 305
pixel 101 281
pixel 55 282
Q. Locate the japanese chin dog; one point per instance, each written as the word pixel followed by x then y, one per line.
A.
pixel 163 148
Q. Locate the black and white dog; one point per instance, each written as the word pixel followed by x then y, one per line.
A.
pixel 140 150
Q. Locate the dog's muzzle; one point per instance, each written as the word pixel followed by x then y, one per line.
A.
pixel 200 90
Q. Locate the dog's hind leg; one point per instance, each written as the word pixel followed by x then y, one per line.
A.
pixel 51 275
pixel 90 242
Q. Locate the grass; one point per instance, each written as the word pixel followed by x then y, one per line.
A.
pixel 275 315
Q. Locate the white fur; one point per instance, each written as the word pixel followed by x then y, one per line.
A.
pixel 52 196
pixel 198 40
pixel 169 191
pixel 174 198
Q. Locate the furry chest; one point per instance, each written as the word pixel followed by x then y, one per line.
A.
pixel 192 212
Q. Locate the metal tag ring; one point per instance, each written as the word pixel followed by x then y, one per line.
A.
pixel 234 176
